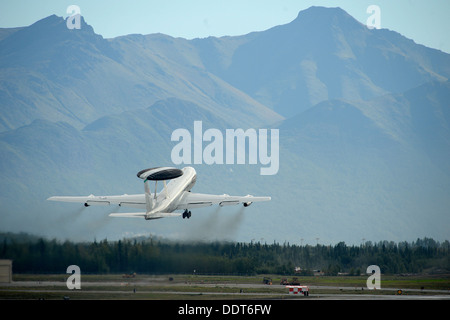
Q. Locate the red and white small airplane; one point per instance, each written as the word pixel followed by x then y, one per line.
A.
pixel 176 195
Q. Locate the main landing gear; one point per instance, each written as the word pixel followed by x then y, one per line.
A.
pixel 186 214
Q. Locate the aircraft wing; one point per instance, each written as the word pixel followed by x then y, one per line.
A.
pixel 192 200
pixel 135 201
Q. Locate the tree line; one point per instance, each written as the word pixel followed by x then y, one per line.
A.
pixel 40 255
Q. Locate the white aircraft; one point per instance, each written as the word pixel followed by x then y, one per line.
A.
pixel 176 195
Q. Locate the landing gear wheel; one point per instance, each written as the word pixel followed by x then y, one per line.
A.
pixel 187 214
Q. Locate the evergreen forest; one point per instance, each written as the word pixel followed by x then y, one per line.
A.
pixel 32 254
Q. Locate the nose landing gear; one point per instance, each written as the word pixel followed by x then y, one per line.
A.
pixel 186 214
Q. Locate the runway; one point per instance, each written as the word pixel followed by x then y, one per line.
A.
pixel 157 289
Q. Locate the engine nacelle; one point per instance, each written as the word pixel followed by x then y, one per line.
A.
pixel 246 204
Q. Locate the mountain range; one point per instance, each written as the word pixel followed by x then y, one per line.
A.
pixel 363 116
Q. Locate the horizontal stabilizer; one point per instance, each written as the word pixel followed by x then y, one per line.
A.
pixel 128 215
pixel 157 215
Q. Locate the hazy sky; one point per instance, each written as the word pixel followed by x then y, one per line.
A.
pixel 426 22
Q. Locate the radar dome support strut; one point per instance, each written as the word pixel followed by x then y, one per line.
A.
pixel 157 174
pixel 148 198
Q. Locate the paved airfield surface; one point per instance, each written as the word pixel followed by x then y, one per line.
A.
pixel 242 290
